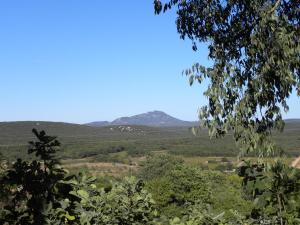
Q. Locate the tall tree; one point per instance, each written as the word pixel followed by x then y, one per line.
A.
pixel 255 49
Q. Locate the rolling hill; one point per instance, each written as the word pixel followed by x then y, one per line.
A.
pixel 80 141
pixel 20 132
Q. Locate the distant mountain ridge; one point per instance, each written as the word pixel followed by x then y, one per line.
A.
pixel 98 124
pixel 292 120
pixel 153 118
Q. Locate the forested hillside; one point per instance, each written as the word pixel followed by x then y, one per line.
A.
pixel 81 141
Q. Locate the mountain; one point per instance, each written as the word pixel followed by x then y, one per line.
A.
pixel 154 119
pixel 98 124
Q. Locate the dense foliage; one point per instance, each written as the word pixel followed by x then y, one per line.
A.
pixel 178 187
pixel 32 185
pixel 255 52
pixel 275 193
pixel 40 192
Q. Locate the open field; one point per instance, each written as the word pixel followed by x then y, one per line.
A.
pixel 115 169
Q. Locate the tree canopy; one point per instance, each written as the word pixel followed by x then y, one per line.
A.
pixel 255 50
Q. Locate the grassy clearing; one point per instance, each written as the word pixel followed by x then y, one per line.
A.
pixel 118 170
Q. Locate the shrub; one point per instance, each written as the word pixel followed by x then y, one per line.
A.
pixel 158 165
pixel 180 186
pixel 126 203
pixel 275 191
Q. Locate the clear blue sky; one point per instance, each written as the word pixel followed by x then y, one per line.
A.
pixel 81 61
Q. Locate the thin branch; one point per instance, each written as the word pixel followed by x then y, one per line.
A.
pixel 275 6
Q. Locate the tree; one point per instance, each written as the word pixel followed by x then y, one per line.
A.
pixel 32 186
pixel 255 50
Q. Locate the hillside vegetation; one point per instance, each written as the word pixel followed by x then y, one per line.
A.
pixel 81 141
pixel 164 191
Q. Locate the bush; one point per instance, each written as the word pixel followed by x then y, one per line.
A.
pixel 158 165
pixel 275 191
pixel 126 203
pixel 180 186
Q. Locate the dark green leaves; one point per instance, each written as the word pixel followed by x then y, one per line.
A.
pixel 255 49
pixel 275 192
pixel 32 185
